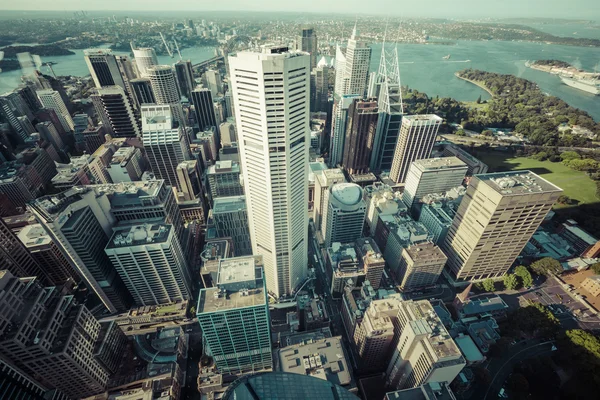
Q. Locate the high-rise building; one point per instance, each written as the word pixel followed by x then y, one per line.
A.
pixel 43 250
pixel 239 300
pixel 373 261
pixel 307 42
pixel 338 130
pixel 230 219
pixel 274 141
pixel 165 143
pixel 387 89
pixel 213 82
pixel 48 132
pixel 227 133
pixel 94 137
pixel 16 258
pixel 81 123
pixel 374 337
pixel 141 90
pixel 189 178
pixel 164 85
pixel 420 266
pixel 360 134
pixel 344 217
pixel 115 111
pixel 12 106
pixel 126 165
pixel 425 352
pixel 51 99
pixel 223 180
pixel 145 57
pixel 203 108
pixel 323 181
pixel 48 335
pixel 355 67
pixel 149 259
pixel 185 77
pixel 78 224
pixel 432 175
pixel 416 140
pixel 229 104
pixel 320 95
pixel 104 68
pixel 496 218
pixel 16 384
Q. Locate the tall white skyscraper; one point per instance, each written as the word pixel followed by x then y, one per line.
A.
pixel 164 85
pixel 145 57
pixel 51 99
pixel 166 145
pixel 104 68
pixel 351 69
pixel 274 141
pixel 344 217
pixel 416 140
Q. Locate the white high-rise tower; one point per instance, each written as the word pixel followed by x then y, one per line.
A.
pixel 145 57
pixel 271 93
pixel 164 85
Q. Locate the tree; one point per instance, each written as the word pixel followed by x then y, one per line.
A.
pixel 489 285
pixel 487 133
pixel 460 132
pixel 479 100
pixel 518 385
pixel 547 266
pixel 569 155
pixel 522 272
pixel 596 268
pixel 541 156
pixel 564 200
pixel 193 310
pixel 510 281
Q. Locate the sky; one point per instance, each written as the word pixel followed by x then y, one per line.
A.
pixel 587 9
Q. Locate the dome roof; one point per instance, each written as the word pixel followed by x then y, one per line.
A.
pixel 347 194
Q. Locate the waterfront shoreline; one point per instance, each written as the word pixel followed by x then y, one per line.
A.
pixel 475 83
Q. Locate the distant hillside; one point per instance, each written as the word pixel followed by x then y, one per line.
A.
pixel 41 50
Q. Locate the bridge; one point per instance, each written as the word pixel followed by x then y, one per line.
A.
pixel 207 62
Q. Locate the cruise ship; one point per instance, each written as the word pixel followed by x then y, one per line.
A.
pixel 587 85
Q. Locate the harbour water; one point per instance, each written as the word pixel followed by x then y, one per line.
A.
pixel 423 68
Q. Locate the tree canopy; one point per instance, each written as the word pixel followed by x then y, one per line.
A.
pixel 546 266
pixel 523 273
pixel 510 281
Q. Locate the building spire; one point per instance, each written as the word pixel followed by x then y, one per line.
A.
pixel 354 30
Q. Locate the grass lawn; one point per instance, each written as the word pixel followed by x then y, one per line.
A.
pixel 575 184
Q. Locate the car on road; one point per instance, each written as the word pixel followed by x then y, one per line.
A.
pixel 539 294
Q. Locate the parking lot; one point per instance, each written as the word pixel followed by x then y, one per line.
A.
pixel 576 279
pixel 551 293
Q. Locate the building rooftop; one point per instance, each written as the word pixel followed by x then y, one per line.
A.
pixel 139 235
pixel 427 322
pixel 483 303
pixel 34 235
pixel 122 155
pixel 429 391
pixel 422 252
pixel 432 164
pixel 347 194
pixel 229 204
pixel 469 349
pixel 514 183
pixel 240 283
pixel 223 166
pixel 420 119
pixel 324 359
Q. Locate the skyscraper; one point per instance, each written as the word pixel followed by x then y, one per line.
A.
pixel 239 300
pixel 323 181
pixel 142 91
pixel 321 88
pixel 17 259
pixel 425 352
pixel 344 216
pixel 387 89
pixel 420 266
pixel 76 221
pixel 496 218
pixel 230 219
pixel 223 180
pixel 165 143
pixel 213 82
pixel 307 42
pixel 104 68
pixel 338 129
pixel 164 85
pixel 51 99
pixel 43 250
pixel 274 141
pixel 356 67
pixel 203 108
pixel 145 57
pixel 15 384
pixel 48 335
pixel 115 111
pixel 432 175
pixel 149 260
pixel 416 140
pixel 360 134
pixel 185 77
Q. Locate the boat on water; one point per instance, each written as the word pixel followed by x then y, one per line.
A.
pixel 585 84
pixel 446 57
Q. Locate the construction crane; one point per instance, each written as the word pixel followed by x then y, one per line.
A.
pixel 166 45
pixel 177 47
